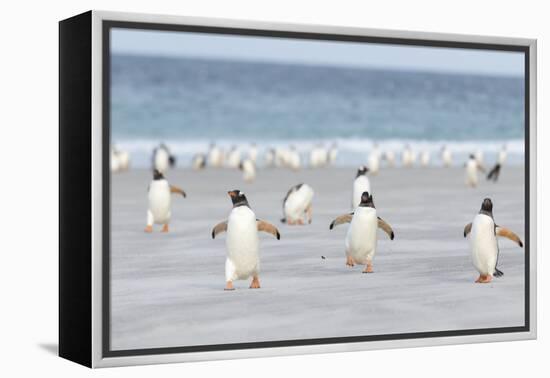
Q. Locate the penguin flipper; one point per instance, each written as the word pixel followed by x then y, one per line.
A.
pixel 346 218
pixel 219 228
pixel 386 227
pixel 467 229
pixel 268 227
pixel 506 233
pixel 175 189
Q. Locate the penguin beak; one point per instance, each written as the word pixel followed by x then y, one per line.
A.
pixel 232 194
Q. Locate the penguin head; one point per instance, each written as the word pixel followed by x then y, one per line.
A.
pixel 487 205
pixel 157 175
pixel 472 157
pixel 366 200
pixel 238 198
pixel 362 170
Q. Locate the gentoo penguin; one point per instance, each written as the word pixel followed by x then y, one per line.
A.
pixel 242 242
pixel 446 156
pixel 163 159
pixel 270 157
pixel 361 238
pixel 494 173
pixel 374 160
pixel 479 157
pixel 361 184
pixel 293 159
pixel 249 170
pixel 253 152
pixel 160 202
pixel 407 157
pixel 198 162
pixel 318 156
pixel 120 160
pixel 484 242
pixel 115 162
pixel 333 153
pixel 502 155
pixel 389 155
pixel 472 167
pixel 425 158
pixel 215 156
pixel 297 204
pixel 234 157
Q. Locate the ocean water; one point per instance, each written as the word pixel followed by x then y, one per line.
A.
pixel 189 103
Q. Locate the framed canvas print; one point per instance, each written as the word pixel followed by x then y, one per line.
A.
pixel 236 189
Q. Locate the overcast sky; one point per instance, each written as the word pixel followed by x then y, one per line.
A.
pixel 215 46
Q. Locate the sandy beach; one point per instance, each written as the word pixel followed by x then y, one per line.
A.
pixel 167 289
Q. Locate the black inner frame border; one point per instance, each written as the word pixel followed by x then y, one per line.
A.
pixel 108 25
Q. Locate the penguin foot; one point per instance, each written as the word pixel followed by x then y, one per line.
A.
pixel 255 284
pixel 229 286
pixel 300 222
pixel 148 229
pixel 368 269
pixel 484 278
pixel 165 228
pixel 350 262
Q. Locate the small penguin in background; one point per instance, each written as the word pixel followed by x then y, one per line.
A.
pixel 198 162
pixel 361 238
pixel 293 159
pixel 333 153
pixel 297 204
pixel 446 157
pixel 242 242
pixel 425 158
pixel 361 184
pixel 115 162
pixel 502 154
pixel 248 168
pixel 270 157
pixel 234 157
pixel 479 157
pixel 159 195
pixel 389 156
pixel 215 156
pixel 120 160
pixel 163 159
pixel 407 157
pixel 472 167
pixel 374 160
pixel 253 153
pixel 484 242
pixel 494 173
pixel 318 156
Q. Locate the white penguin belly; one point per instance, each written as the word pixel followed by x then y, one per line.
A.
pixel 159 201
pixel 297 203
pixel 361 237
pixel 360 185
pixel 374 162
pixel 471 173
pixel 161 160
pixel 484 244
pixel 242 242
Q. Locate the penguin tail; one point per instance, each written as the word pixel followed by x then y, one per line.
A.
pixel 283 220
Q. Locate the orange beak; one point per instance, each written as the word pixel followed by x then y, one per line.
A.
pixel 231 194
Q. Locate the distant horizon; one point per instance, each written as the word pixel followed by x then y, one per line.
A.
pixel 322 65
pixel 391 57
